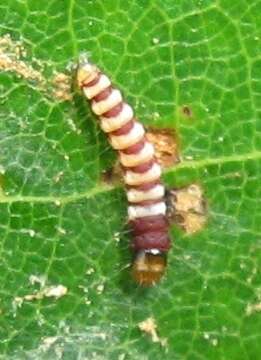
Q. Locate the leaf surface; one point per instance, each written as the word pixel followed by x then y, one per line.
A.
pixel 193 66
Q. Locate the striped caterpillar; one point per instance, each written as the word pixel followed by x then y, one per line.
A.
pixel 145 193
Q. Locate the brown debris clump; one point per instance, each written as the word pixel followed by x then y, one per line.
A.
pixel 56 292
pixel 187 207
pixel 186 110
pixel 11 60
pixel 62 87
pixel 112 175
pixel 165 144
pixel 149 326
pixel 14 59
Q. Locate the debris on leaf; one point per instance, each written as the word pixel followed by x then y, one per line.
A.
pixel 58 177
pixel 17 303
pixel 62 87
pixel 213 341
pixel 187 207
pixel 31 232
pixel 112 175
pixel 121 356
pixel 165 143
pixel 100 289
pixel 52 342
pixel 73 126
pixel 149 326
pixel 56 292
pixel 61 230
pixel 11 54
pixel 206 336
pixel 186 110
pixel 252 275
pixel 155 41
pixel 13 59
pixel 90 271
pixel 37 279
pixel 87 301
pixel 253 308
pixel 2 170
pixel 47 342
pixel 117 237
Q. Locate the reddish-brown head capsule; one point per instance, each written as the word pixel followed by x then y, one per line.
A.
pixel 148 268
pixel 145 193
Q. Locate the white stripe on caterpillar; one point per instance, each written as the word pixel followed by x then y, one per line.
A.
pixel 122 142
pixel 100 107
pixel 102 84
pixel 135 212
pixel 144 155
pixel 136 196
pixel 116 122
pixel 133 178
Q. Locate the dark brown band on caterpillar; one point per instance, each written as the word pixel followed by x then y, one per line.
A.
pixel 151 240
pixel 93 82
pixel 149 224
pixel 124 129
pixel 134 149
pixel 113 111
pixel 143 167
pixel 103 94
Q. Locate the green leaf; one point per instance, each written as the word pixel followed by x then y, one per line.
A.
pixel 189 65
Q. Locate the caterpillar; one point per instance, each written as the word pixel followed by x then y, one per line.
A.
pixel 141 171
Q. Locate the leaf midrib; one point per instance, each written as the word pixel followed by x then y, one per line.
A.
pixel 102 188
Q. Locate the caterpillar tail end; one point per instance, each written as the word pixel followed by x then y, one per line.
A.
pixel 148 267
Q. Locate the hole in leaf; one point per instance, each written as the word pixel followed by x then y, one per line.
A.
pixel 166 146
pixel 186 110
pixel 187 208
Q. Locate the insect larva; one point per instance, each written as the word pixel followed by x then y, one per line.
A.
pixel 145 193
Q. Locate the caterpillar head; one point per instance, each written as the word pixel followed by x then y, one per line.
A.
pixel 148 267
pixel 86 72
